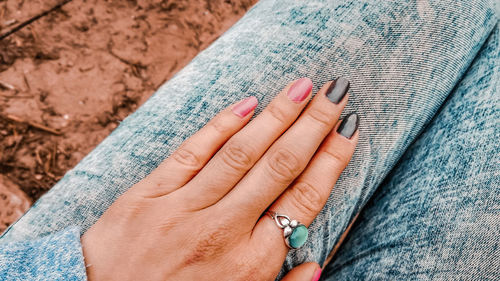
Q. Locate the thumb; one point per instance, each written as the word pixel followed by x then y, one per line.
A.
pixel 309 271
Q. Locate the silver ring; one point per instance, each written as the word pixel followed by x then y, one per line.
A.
pixel 294 232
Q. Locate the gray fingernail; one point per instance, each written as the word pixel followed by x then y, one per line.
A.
pixel 337 90
pixel 349 125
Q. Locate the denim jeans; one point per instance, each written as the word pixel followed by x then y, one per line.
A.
pixel 424 79
pixel 436 216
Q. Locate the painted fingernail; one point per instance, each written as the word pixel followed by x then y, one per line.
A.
pixel 337 90
pixel 349 125
pixel 317 275
pixel 245 106
pixel 300 90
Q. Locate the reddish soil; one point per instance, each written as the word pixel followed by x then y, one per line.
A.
pixel 68 78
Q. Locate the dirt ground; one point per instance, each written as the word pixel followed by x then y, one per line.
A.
pixel 70 76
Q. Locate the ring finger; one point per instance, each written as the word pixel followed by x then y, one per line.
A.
pixel 305 198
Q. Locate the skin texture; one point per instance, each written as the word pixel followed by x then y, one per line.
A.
pixel 309 271
pixel 198 215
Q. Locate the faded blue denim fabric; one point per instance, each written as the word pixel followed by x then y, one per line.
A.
pixel 403 59
pixel 54 257
pixel 437 215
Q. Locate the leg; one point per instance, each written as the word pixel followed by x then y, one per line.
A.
pixel 436 217
pixel 402 58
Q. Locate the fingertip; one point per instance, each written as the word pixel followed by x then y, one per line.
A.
pixel 317 273
pixel 339 140
pixel 355 136
pixel 245 106
pixel 335 98
pixel 309 271
pixel 349 125
pixel 300 90
pixel 337 90
pixel 308 81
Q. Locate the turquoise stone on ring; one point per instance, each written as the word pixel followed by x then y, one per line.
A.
pixel 298 236
pixel 295 233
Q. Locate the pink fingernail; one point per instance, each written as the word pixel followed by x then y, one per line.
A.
pixel 245 106
pixel 300 89
pixel 317 275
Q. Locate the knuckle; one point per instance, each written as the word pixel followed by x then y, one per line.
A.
pixel 187 157
pixel 306 198
pixel 250 271
pixel 210 244
pixel 320 116
pixel 129 208
pixel 219 125
pixel 337 157
pixel 237 155
pixel 284 164
pixel 277 112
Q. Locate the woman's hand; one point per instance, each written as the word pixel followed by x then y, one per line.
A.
pixel 198 215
